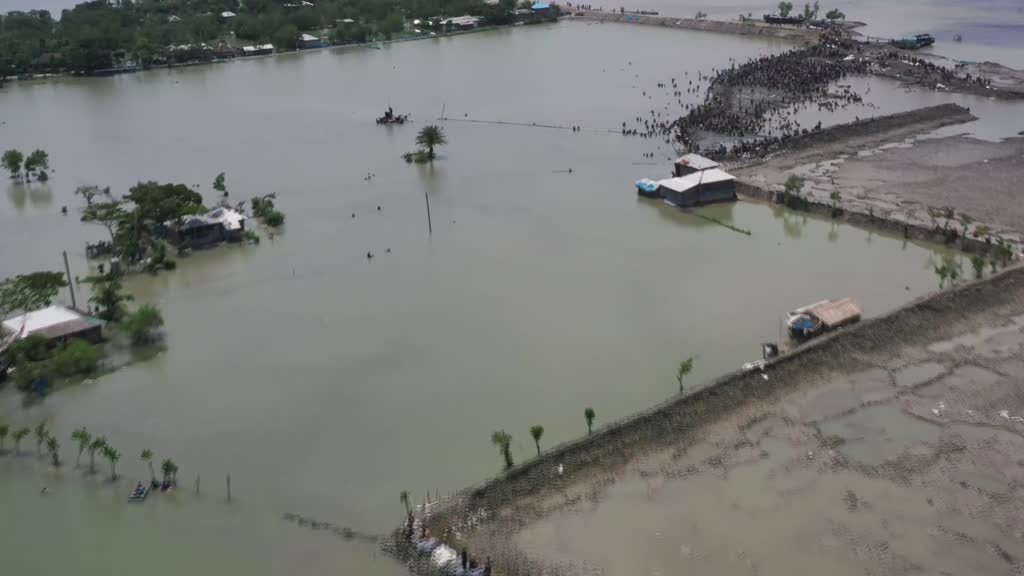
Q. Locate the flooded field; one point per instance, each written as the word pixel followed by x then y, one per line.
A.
pixel 324 382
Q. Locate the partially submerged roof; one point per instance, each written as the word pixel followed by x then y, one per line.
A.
pixel 837 312
pixel 697 162
pixel 227 14
pixel 684 183
pixel 462 20
pixel 308 38
pixel 51 322
pixel 231 219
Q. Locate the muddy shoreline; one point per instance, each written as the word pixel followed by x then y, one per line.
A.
pixel 749 28
pixel 487 515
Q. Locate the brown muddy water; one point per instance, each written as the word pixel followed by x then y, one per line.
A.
pixel 326 383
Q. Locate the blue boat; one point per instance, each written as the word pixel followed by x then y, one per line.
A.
pixel 139 494
pixel 647 188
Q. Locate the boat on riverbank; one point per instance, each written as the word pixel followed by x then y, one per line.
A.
pixel 814 319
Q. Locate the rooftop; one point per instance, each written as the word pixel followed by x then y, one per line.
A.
pixel 540 6
pixel 231 219
pixel 52 322
pixel 308 38
pixel 684 183
pixel 697 162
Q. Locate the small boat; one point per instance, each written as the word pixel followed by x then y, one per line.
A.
pixel 808 321
pixel 914 42
pixel 792 20
pixel 390 117
pixel 139 494
pixel 647 188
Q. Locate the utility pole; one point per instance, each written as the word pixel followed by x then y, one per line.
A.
pixel 71 283
pixel 430 227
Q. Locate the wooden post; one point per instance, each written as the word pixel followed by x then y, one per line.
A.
pixel 430 227
pixel 229 487
pixel 197 484
pixel 71 283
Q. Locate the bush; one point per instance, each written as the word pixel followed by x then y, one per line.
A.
pixel 34 348
pixel 143 323
pixel 274 218
pixel 76 357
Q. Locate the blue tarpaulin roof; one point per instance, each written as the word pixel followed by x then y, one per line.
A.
pixel 647 185
pixel 803 323
pixel 540 6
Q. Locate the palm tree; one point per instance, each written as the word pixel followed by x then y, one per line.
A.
pixel 537 431
pixel 404 498
pixel 83 438
pixel 147 457
pixel 429 137
pixel 684 368
pixel 589 415
pixel 53 447
pixel 4 431
pixel 169 468
pixel 113 456
pixel 503 440
pixel 18 435
pixel 98 443
pixel 41 433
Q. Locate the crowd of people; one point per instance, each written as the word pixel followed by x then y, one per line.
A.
pixel 754 106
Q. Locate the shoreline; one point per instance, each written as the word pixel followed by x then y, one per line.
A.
pixel 748 28
pixel 491 504
pixel 14 80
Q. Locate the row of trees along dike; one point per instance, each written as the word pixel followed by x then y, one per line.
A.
pixel 21 167
pixel 38 361
pixel 47 445
pixel 100 35
pixel 503 440
pixel 810 12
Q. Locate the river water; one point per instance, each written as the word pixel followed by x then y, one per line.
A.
pixel 325 382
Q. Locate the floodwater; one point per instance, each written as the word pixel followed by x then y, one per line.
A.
pixel 325 382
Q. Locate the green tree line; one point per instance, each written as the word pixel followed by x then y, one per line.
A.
pixel 98 34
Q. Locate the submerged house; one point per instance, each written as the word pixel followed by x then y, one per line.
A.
pixel 697 188
pixel 309 41
pixel 202 230
pixel 56 323
pixel 463 22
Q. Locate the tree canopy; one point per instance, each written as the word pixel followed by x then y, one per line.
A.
pixel 29 291
pixel 98 34
pixel 159 203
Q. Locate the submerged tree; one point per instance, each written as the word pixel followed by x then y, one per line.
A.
pixel 589 415
pixel 169 470
pixel 503 440
pixel 53 447
pixel 684 368
pixel 112 456
pixel 5 429
pixel 143 324
pixel 41 433
pixel 36 164
pixel 97 444
pixel 18 436
pixel 11 161
pixel 147 457
pixel 537 431
pixel 219 186
pixel 430 137
pixel 109 299
pixel 83 437
pixel 404 499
